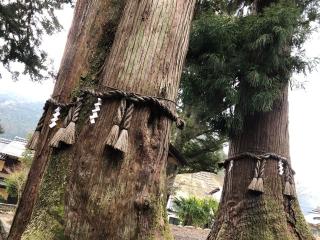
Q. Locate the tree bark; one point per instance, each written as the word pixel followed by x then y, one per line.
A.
pixel 271 215
pixel 89 43
pixel 114 198
pixel 88 192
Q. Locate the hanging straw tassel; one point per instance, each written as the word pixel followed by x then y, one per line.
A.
pixel 287 185
pixel 33 142
pixel 259 186
pixel 55 141
pixel 289 189
pixel 252 185
pixel 256 184
pixel 122 142
pixel 114 132
pixel 69 135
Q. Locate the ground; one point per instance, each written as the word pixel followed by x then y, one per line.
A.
pixel 179 232
pixel 189 233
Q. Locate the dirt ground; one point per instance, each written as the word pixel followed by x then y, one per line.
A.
pixel 189 233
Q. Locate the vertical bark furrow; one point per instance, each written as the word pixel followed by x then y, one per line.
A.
pixel 109 196
pixel 157 12
pixel 246 215
pixel 158 44
pixel 128 196
pixel 140 34
pixel 84 45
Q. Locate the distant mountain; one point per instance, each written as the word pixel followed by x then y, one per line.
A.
pixel 18 116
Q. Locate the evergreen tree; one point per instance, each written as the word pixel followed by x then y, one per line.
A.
pixel 239 66
pixel 199 143
pixel 22 26
pixel 252 55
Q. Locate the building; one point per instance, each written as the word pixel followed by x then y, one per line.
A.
pixel 10 152
pixel 315 229
pixel 200 184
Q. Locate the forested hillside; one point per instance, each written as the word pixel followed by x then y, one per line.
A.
pixel 18 116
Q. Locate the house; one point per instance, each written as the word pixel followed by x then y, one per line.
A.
pixel 315 229
pixel 10 152
pixel 316 212
pixel 199 184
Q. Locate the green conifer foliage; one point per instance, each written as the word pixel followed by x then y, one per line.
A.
pixel 242 60
pixel 22 26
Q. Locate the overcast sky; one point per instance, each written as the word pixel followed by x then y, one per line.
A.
pixel 304 113
pixel 304 127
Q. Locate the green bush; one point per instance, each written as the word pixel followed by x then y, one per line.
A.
pixel 16 180
pixel 196 212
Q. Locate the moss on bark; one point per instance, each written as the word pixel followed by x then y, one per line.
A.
pixel 264 220
pixel 48 216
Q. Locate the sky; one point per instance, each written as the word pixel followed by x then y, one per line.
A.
pixel 304 115
pixel 304 129
pixel 54 46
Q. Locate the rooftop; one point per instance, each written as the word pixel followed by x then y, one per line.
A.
pixel 13 148
pixel 200 184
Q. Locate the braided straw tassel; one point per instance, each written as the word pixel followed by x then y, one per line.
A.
pixel 259 185
pixel 33 142
pixel 114 132
pixel 67 135
pixel 252 185
pixel 289 189
pixel 256 184
pixel 122 142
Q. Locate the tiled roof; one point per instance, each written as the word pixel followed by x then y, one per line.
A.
pixel 14 147
pixel 4 142
pixel 200 184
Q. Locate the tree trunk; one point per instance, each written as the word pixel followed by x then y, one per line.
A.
pixel 114 198
pixel 270 215
pixel 89 43
pixel 88 192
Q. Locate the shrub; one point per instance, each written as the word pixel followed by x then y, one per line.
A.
pixel 196 212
